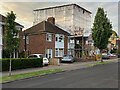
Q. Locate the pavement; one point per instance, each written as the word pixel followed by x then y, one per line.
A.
pixel 64 66
pixel 100 76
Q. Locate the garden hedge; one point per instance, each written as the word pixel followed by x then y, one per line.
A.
pixel 21 63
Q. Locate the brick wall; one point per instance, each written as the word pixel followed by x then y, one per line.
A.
pixel 38 44
pixel 22 41
pixel 65 45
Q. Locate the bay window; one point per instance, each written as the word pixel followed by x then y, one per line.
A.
pixel 59 38
pixel 59 52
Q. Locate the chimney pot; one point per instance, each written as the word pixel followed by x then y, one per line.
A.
pixel 51 20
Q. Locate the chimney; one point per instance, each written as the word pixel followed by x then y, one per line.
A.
pixel 51 20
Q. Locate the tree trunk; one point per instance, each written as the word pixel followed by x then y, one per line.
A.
pixel 101 55
pixel 10 66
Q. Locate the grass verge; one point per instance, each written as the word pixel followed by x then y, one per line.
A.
pixel 25 75
pixel 98 63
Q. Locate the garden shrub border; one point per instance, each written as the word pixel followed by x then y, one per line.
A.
pixel 21 63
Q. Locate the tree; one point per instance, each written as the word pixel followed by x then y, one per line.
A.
pixel 101 30
pixel 11 33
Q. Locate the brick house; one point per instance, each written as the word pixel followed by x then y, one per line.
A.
pixel 2 32
pixel 46 38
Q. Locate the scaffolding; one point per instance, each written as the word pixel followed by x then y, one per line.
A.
pixel 69 16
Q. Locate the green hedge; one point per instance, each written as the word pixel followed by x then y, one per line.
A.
pixel 21 63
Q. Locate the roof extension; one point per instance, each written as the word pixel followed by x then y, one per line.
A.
pixel 63 6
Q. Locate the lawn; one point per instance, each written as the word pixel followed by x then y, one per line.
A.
pixel 98 63
pixel 25 75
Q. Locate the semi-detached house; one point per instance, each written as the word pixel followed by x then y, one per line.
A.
pixel 48 39
pixel 2 33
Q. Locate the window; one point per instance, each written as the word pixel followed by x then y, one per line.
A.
pixel 32 56
pixel 56 52
pixel 41 56
pixel 71 40
pixel 17 28
pixel 27 40
pixel 59 52
pixel 49 53
pixel 71 52
pixel 77 41
pixel 61 38
pixel 56 38
pixel 49 37
pixel 23 36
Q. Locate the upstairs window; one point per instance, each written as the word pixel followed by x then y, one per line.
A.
pixel 71 40
pixel 56 38
pixel 61 39
pixel 27 40
pixel 49 37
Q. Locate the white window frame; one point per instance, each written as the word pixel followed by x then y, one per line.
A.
pixel 72 41
pixel 48 51
pixel 49 37
pixel 58 36
pixel 58 50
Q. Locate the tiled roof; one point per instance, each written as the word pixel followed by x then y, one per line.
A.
pixel 45 26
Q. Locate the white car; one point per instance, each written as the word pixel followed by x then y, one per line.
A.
pixel 111 54
pixel 45 60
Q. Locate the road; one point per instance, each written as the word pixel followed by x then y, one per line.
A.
pixel 101 76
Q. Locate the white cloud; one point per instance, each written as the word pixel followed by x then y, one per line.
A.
pixel 24 10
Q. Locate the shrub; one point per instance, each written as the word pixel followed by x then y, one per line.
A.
pixel 22 63
pixel 22 54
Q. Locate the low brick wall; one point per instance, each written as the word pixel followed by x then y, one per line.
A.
pixel 84 60
pixel 54 61
pixel 113 57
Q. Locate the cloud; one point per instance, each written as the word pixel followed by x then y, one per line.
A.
pixel 24 10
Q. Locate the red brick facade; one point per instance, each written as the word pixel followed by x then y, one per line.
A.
pixel 65 45
pixel 38 44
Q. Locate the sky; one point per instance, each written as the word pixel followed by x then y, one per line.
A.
pixel 24 10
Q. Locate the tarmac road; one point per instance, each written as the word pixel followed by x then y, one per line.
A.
pixel 101 76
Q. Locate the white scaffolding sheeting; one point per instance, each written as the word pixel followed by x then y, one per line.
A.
pixel 71 17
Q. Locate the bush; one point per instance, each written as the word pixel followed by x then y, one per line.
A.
pixel 22 54
pixel 22 63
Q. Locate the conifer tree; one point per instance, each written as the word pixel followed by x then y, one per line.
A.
pixel 101 30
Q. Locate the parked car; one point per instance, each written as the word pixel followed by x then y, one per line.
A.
pixel 118 55
pixel 68 58
pixel 45 60
pixel 105 56
pixel 109 54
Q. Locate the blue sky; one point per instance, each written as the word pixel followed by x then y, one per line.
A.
pixel 24 10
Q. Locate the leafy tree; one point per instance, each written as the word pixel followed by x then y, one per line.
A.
pixel 101 30
pixel 11 33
